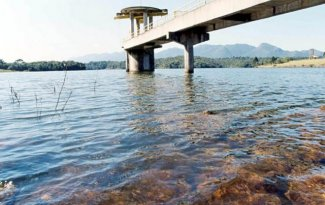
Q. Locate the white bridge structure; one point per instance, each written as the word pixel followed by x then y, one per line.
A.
pixel 191 25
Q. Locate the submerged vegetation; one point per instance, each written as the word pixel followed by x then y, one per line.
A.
pixel 6 185
pixel 6 189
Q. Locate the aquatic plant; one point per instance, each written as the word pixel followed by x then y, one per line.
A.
pixel 61 89
pixel 15 97
pixel 60 93
pixel 38 108
pixel 66 102
pixel 95 82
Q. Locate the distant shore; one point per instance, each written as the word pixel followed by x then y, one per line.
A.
pixel 5 71
pixel 305 63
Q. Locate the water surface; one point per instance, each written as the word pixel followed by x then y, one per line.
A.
pixel 219 136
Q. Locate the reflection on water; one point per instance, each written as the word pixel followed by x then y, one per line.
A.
pixel 239 136
pixel 143 92
pixel 190 89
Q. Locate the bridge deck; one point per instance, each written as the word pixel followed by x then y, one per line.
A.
pixel 214 15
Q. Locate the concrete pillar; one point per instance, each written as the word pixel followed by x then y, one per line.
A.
pixel 189 39
pixel 145 21
pixel 132 24
pixel 138 27
pixel 141 60
pixel 150 22
pixel 132 64
pixel 189 57
pixel 127 62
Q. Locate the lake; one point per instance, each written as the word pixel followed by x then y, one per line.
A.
pixel 220 136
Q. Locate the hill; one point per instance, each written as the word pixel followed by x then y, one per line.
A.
pixel 211 51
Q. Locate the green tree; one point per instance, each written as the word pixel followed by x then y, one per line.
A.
pixel 3 65
pixel 18 65
pixel 273 59
pixel 255 61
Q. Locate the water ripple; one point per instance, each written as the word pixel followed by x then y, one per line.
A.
pixel 164 138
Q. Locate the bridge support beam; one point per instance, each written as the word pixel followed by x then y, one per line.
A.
pixel 189 58
pixel 189 39
pixel 140 60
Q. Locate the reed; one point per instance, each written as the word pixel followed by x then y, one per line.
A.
pixel 95 82
pixel 60 93
pixel 66 102
pixel 15 97
pixel 38 101
pixel 61 89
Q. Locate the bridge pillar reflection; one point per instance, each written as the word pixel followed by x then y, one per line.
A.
pixel 140 60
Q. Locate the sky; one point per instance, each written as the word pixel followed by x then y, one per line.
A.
pixel 35 30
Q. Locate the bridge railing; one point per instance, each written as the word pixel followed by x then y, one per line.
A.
pixel 185 9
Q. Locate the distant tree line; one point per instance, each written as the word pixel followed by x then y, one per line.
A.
pixel 3 65
pixel 20 65
pixel 100 65
pixel 173 62
pixel 235 62
pixel 199 62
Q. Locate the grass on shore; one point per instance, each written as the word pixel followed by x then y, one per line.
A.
pixel 305 63
pixel 5 71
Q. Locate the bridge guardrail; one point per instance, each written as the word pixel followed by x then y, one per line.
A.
pixel 189 7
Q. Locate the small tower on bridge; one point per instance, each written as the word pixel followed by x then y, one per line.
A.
pixel 140 15
pixel 141 59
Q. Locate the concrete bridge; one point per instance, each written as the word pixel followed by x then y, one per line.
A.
pixel 192 26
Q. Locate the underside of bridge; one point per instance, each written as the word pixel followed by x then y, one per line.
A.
pixel 191 28
pixel 143 59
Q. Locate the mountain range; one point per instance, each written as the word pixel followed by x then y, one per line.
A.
pixel 210 51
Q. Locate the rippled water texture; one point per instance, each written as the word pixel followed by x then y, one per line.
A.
pixel 221 136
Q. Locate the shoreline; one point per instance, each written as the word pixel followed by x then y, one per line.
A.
pixel 5 71
pixel 304 63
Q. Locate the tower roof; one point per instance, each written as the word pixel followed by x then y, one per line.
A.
pixel 138 11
